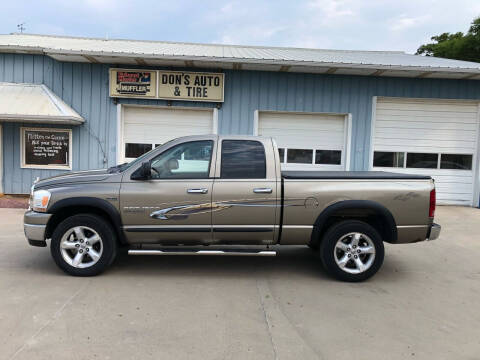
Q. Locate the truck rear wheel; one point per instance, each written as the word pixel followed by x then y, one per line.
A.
pixel 352 251
pixel 83 245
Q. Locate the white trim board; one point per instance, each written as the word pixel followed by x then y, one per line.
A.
pixel 119 151
pixel 476 165
pixel 1 159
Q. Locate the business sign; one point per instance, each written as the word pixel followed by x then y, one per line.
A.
pixel 133 83
pixel 46 148
pixel 177 85
pixel 169 85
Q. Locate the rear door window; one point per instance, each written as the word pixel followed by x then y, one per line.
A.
pixel 243 159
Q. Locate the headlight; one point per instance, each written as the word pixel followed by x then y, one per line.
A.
pixel 40 200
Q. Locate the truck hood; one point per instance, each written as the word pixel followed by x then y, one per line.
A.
pixel 74 177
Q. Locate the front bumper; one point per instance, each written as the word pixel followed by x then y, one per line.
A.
pixel 434 232
pixel 34 226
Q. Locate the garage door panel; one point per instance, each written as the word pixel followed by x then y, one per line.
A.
pixel 454 199
pixel 428 143
pixel 303 126
pixel 404 136
pixel 305 132
pixel 422 149
pixel 156 125
pixel 168 123
pixel 456 202
pixel 465 118
pixel 392 124
pixel 431 126
pixel 460 188
pixel 445 134
pixel 429 105
pixel 311 141
pixel 449 174
pixel 299 132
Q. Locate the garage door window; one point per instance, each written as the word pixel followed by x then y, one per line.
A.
pixel 422 160
pixel 310 156
pixel 456 161
pixel 134 150
pixel 299 156
pixel 328 157
pixel 281 153
pixel 388 159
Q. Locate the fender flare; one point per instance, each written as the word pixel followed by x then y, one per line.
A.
pixel 386 216
pixel 101 204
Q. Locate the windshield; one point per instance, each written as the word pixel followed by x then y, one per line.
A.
pixel 139 160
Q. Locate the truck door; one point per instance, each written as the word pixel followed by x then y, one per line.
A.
pixel 174 205
pixel 244 200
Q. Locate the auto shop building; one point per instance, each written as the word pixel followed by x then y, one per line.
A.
pixel 78 103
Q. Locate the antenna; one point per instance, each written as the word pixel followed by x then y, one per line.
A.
pixel 21 27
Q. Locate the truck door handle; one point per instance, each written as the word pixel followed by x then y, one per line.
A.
pixel 262 191
pixel 197 191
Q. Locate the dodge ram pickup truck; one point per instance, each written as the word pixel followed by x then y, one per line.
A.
pixel 210 195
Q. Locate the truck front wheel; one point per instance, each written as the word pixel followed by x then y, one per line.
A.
pixel 352 251
pixel 83 245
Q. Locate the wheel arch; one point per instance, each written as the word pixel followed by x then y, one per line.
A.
pixel 368 211
pixel 85 205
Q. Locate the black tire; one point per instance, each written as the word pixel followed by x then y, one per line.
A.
pixel 313 246
pixel 328 250
pixel 108 243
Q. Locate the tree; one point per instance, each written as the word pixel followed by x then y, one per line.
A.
pixel 458 46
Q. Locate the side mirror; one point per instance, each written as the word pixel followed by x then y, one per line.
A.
pixel 144 172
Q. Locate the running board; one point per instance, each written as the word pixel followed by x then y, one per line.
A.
pixel 236 252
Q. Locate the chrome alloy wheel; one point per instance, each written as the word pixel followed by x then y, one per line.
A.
pixel 354 253
pixel 81 247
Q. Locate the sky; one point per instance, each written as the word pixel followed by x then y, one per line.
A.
pixel 327 24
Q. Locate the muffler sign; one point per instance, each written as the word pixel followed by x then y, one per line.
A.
pixel 170 85
pixel 133 83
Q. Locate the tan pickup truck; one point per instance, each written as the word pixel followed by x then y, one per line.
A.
pixel 226 195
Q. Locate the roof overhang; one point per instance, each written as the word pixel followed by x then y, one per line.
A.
pixel 270 65
pixel 34 103
pixel 235 57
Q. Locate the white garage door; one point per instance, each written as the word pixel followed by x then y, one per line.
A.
pixel 307 141
pixel 431 137
pixel 147 127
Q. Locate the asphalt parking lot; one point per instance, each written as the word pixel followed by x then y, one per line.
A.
pixel 423 304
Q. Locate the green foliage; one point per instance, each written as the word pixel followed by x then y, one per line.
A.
pixel 458 46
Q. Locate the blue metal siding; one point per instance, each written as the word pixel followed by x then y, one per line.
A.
pixel 85 88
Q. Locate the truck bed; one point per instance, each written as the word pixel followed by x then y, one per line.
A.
pixel 383 175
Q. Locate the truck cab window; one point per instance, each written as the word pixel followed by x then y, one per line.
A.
pixel 243 159
pixel 189 160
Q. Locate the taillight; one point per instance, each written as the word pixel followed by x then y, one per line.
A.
pixel 433 200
